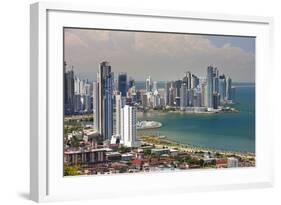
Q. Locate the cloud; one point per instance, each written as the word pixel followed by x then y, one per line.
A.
pixel 162 55
pixel 73 40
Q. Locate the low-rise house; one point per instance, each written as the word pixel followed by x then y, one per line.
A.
pixel 160 152
pixel 221 163
pixel 113 156
pixel 127 157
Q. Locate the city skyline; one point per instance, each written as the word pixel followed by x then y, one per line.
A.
pixel 145 102
pixel 140 54
pixel 112 131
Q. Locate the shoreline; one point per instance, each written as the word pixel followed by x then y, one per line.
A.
pixel 160 142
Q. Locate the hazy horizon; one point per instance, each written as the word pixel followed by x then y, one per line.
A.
pixel 163 56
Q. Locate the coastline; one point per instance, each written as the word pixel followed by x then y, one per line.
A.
pixel 163 142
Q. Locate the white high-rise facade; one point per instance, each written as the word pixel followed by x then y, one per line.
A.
pixel 154 86
pixel 118 104
pixel 96 105
pixel 129 129
pixel 148 84
pixel 228 88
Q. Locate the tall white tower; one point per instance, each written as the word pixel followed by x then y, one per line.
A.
pixel 118 105
pixel 148 84
pixel 96 105
pixel 129 121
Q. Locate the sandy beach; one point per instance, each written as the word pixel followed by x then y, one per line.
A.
pixel 160 142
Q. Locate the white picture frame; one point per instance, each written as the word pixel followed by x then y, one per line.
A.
pixel 46 174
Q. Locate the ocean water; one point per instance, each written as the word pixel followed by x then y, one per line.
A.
pixel 228 131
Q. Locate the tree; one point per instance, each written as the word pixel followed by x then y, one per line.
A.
pixel 71 170
pixel 147 151
pixel 124 149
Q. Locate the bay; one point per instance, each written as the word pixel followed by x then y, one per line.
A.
pixel 228 131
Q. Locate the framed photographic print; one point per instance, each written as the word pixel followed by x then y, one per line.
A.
pixel 146 102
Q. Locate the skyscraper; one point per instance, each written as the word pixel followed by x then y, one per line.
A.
pixel 216 80
pixel 96 105
pixel 228 88
pixel 204 96
pixel 215 100
pixel 210 74
pixel 68 91
pixel 154 86
pixel 169 93
pixel 222 88
pixel 118 106
pixel 105 100
pixel 131 82
pixel 187 79
pixel 129 121
pixel 122 84
pixel 156 99
pixel 144 100
pixel 172 94
pixel 166 93
pixel 148 84
pixel 233 94
pixel 194 81
pixel 183 96
pixel 178 87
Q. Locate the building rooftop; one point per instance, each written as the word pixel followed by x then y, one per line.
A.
pixel 75 151
pixel 112 153
pixel 127 155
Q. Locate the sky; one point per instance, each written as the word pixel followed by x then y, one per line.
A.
pixel 163 56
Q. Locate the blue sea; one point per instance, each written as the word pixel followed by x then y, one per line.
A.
pixel 233 131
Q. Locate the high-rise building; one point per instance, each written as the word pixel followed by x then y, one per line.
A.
pixel 118 107
pixel 154 86
pixel 196 101
pixel 68 91
pixel 144 100
pixel 169 93
pixel 222 88
pixel 131 82
pixel 148 84
pixel 178 87
pixel 172 94
pixel 96 105
pixel 233 94
pixel 129 122
pixel 76 86
pixel 204 96
pixel 156 99
pixel 122 84
pixel 190 96
pixel 183 96
pixel 77 103
pixel 228 88
pixel 166 93
pixel 105 100
pixel 82 96
pixel 194 81
pixel 216 80
pixel 187 79
pixel 216 100
pixel 210 74
pixel 138 96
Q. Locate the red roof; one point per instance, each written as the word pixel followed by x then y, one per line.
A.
pixel 136 162
pixel 221 161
